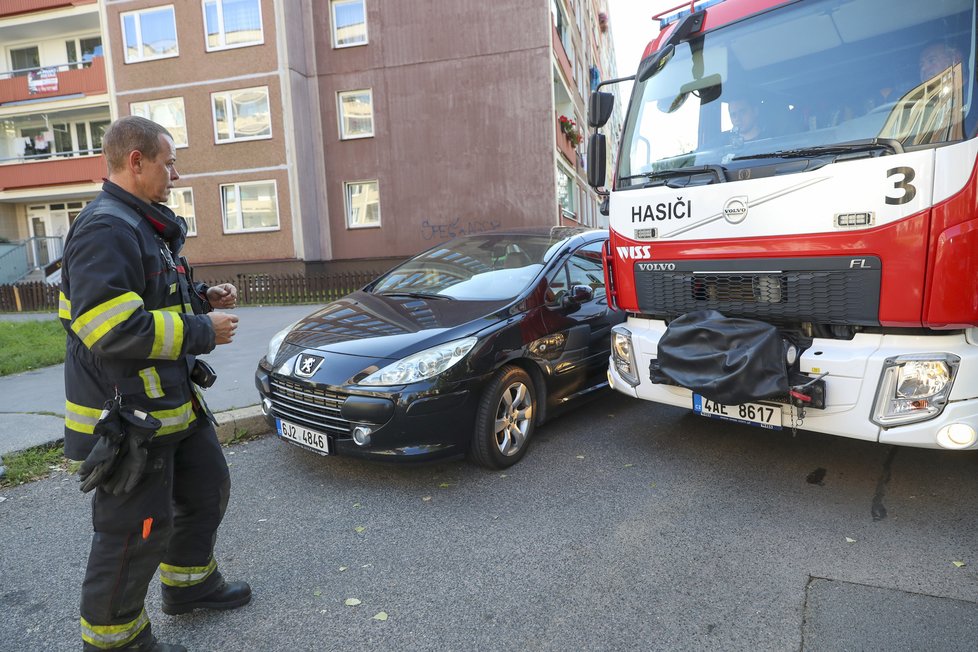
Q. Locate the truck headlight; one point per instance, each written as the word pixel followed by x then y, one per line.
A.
pixel 421 366
pixel 623 356
pixel 914 388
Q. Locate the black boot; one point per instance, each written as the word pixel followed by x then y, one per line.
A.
pixel 229 595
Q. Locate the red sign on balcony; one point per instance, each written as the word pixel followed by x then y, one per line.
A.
pixel 53 172
pixel 87 80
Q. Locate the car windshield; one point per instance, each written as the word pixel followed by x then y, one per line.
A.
pixel 791 83
pixel 485 267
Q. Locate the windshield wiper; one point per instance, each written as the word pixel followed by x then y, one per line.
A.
pixel 667 177
pixel 418 295
pixel 871 146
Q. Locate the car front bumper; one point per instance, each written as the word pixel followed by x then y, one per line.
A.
pixel 423 421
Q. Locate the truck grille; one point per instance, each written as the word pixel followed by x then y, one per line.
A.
pixel 309 406
pixel 832 290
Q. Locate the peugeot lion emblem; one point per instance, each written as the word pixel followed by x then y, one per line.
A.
pixel 306 365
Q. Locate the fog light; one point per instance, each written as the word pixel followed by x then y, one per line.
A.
pixel 361 435
pixel 956 435
pixel 266 406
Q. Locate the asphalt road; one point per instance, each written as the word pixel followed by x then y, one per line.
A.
pixel 629 526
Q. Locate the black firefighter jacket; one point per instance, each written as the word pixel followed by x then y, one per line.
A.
pixel 134 321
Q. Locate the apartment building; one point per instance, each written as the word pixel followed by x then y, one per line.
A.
pixel 54 106
pixel 310 134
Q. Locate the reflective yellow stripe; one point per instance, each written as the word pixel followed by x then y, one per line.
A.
pixel 81 418
pixel 176 308
pixel 152 384
pixel 186 575
pixel 168 335
pixel 175 420
pixel 113 636
pixel 64 306
pixel 98 321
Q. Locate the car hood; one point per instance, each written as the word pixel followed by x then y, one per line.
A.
pixel 389 327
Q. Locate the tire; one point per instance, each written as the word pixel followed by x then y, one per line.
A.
pixel 504 423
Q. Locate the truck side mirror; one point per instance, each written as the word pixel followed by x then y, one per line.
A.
pixel 600 106
pixel 597 160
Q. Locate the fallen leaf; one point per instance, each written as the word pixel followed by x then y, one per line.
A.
pixel 342 568
pixel 848 540
pixel 357 505
pixel 445 485
pixel 365 566
pixel 628 465
pixel 580 457
pixel 322 611
pixel 262 520
pixel 502 475
pixel 2 498
pixel 959 564
pixel 359 529
pixel 381 616
pixel 426 498
pixel 317 593
pixel 351 602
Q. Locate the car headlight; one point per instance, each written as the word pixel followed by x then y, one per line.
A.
pixel 275 343
pixel 623 356
pixel 914 388
pixel 421 366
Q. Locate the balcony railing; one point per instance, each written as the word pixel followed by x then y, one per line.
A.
pixel 81 78
pixel 53 172
pixel 14 7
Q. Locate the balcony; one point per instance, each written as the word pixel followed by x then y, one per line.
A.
pixel 564 144
pixel 53 172
pixel 68 80
pixel 565 64
pixel 15 7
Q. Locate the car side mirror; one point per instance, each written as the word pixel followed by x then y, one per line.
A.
pixel 597 160
pixel 600 106
pixel 579 294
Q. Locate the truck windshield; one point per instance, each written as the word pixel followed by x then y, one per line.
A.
pixel 792 81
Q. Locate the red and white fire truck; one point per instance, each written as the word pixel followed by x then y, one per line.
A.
pixel 794 217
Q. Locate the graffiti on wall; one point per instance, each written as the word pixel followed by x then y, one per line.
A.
pixel 453 228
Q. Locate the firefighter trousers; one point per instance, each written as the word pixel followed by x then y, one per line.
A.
pixel 169 521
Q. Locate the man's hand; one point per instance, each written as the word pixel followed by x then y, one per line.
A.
pixel 224 324
pixel 224 296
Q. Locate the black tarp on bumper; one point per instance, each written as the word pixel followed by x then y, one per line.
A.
pixel 725 359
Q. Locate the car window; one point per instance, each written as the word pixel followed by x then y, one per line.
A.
pixel 585 268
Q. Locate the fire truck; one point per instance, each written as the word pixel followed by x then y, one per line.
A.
pixel 794 217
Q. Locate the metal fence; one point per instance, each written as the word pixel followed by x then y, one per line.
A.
pixel 253 290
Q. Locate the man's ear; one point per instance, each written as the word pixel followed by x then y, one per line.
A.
pixel 135 161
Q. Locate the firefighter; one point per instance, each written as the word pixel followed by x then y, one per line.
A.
pixel 135 322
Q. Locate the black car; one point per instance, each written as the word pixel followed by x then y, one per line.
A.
pixel 465 348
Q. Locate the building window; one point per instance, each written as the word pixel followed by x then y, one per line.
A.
pixel 232 24
pixel 241 115
pixel 349 23
pixel 168 113
pixel 182 202
pixel 90 48
pixel 356 114
pixel 362 204
pixel 566 191
pixel 149 34
pixel 23 61
pixel 251 206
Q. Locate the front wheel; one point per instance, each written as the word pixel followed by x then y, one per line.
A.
pixel 504 422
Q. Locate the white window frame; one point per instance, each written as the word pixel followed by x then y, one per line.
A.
pixel 332 21
pixel 222 33
pixel 237 192
pixel 339 113
pixel 191 226
pixel 347 208
pixel 139 34
pixel 148 104
pixel 227 108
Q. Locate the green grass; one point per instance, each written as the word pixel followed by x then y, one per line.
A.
pixel 35 463
pixel 30 345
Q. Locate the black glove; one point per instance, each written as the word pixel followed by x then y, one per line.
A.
pixel 139 427
pixel 104 456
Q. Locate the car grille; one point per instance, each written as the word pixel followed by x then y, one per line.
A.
pixel 309 406
pixel 833 290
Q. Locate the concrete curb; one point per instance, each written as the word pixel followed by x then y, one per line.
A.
pixel 247 421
